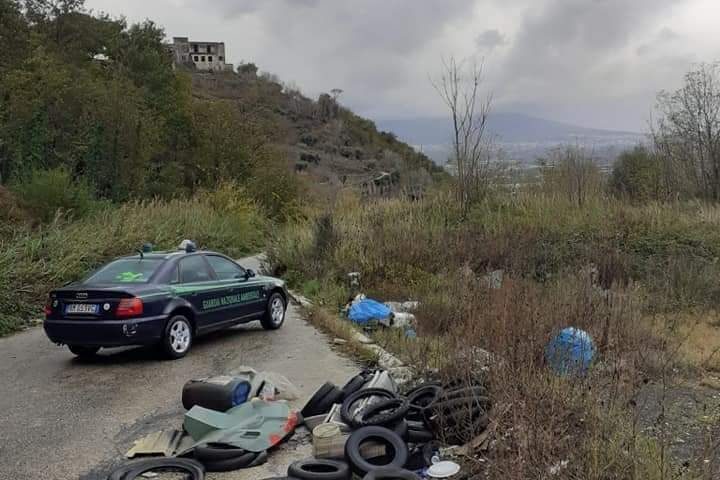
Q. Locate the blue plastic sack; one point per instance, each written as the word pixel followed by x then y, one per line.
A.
pixel 571 352
pixel 366 310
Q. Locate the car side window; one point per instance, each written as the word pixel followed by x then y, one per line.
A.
pixel 224 268
pixel 194 269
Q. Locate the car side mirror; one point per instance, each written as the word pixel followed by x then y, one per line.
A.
pixel 249 273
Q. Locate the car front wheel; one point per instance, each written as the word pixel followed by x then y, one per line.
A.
pixel 275 312
pixel 178 337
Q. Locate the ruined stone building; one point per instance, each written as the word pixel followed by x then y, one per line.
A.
pixel 204 56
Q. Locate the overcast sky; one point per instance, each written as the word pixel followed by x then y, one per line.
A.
pixel 596 63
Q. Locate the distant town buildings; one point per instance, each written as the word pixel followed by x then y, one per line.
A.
pixel 204 56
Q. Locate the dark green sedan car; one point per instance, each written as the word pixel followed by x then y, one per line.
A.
pixel 162 298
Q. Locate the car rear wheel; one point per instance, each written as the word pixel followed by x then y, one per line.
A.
pixel 178 337
pixel 83 352
pixel 275 312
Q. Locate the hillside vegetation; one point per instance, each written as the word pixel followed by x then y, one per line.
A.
pixel 104 145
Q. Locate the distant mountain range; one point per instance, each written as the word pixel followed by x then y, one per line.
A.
pixel 523 138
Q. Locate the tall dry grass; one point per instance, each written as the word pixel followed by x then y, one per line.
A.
pixel 604 266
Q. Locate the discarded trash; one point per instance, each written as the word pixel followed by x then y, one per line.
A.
pixel 163 443
pixel 494 279
pixel 254 426
pixel 571 352
pixel 443 469
pixel 216 393
pixel 367 310
pixel 403 307
pixel 224 392
pixel 402 319
pixel 328 441
pixel 366 427
pixel 142 467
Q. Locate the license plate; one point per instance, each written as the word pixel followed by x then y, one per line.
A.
pixel 82 308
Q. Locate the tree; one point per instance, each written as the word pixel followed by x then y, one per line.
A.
pixel 571 171
pixel 459 88
pixel 336 92
pixel 13 33
pixel 637 174
pixel 687 133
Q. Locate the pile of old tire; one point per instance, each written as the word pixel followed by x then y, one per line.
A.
pixel 382 417
pixel 225 458
pixel 317 469
pixel 314 469
pixel 408 427
pixel 139 468
pixel 329 394
pixel 457 413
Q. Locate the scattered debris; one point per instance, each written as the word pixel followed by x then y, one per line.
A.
pixel 366 427
pixel 494 279
pixel 363 311
pixel 571 352
pixel 443 469
pixel 403 307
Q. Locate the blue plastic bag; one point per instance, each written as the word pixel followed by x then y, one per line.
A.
pixel 571 352
pixel 366 310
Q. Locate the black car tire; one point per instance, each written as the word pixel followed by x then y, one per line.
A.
pixel 247 460
pixel 230 464
pixel 274 312
pixel 424 395
pixel 322 400
pixel 353 385
pixel 396 458
pixel 133 470
pixel 214 452
pixel 178 337
pixel 347 411
pixel 402 429
pixel 460 405
pixel 477 391
pixel 83 352
pixel 391 474
pixel 418 432
pixel 386 412
pixel 319 469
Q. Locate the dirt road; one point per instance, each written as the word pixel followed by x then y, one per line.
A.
pixel 61 418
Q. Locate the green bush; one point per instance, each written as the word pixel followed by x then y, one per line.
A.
pixel 637 174
pixel 46 194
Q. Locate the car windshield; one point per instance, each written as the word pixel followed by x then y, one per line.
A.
pixel 126 270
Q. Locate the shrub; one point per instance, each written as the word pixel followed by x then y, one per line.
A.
pixel 47 193
pixel 637 174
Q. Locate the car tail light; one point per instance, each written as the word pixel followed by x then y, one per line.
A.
pixel 129 307
pixel 48 309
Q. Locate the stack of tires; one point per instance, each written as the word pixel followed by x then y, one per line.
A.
pixel 391 435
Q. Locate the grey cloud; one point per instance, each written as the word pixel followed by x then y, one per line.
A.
pixel 659 42
pixel 667 34
pixel 236 8
pixel 571 48
pixel 490 39
pixel 390 26
pixel 569 58
pixel 369 48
